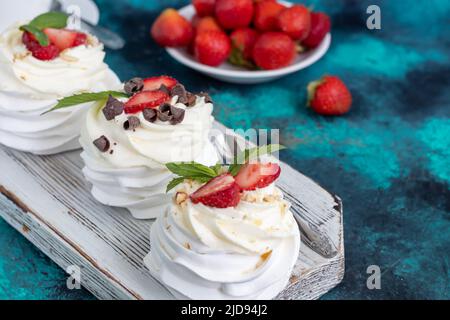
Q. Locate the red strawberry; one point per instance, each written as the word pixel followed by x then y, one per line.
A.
pixel 49 52
pixel 171 29
pixel 207 24
pixel 30 41
pixel 295 21
pixel 266 13
pixel 273 50
pixel 329 96
pixel 220 192
pixel 320 26
pixel 204 7
pixel 154 83
pixel 212 47
pixel 145 99
pixel 81 39
pixel 257 175
pixel 233 14
pixel 244 41
pixel 63 38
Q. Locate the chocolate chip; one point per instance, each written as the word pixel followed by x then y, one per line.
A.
pixel 191 99
pixel 180 91
pixel 113 108
pixel 112 151
pixel 164 116
pixel 206 96
pixel 132 123
pixel 177 115
pixel 150 114
pixel 133 86
pixel 164 89
pixel 165 107
pixel 102 144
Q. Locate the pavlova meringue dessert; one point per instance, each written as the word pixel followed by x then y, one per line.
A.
pixel 233 237
pixel 41 62
pixel 128 137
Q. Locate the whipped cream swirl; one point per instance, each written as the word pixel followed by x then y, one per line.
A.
pixel 29 87
pixel 132 174
pixel 243 252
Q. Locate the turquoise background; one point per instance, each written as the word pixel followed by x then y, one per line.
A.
pixel 388 158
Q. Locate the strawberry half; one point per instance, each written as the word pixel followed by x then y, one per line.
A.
pixel 65 39
pixel 145 99
pixel 154 83
pixel 257 175
pixel 30 41
pixel 46 53
pixel 220 192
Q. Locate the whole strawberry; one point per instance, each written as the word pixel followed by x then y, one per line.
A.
pixel 329 96
pixel 320 26
pixel 273 50
pixel 233 14
pixel 242 41
pixel 171 29
pixel 266 13
pixel 206 24
pixel 204 7
pixel 212 47
pixel 295 21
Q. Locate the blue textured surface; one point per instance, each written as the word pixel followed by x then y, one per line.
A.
pixel 389 159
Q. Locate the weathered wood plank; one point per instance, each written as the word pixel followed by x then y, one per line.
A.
pixel 53 208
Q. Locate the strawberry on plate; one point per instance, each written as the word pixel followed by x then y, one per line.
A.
pixel 329 96
pixel 295 22
pixel 145 99
pixel 273 50
pixel 154 83
pixel 65 39
pixel 266 13
pixel 171 29
pixel 204 7
pixel 206 24
pixel 244 40
pixel 257 175
pixel 212 47
pixel 233 14
pixel 220 192
pixel 320 26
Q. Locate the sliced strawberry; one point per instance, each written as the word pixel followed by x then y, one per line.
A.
pixel 145 99
pixel 30 41
pixel 80 39
pixel 220 192
pixel 63 38
pixel 49 52
pixel 257 175
pixel 154 83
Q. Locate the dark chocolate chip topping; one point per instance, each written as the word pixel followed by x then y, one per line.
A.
pixel 164 116
pixel 102 144
pixel 164 89
pixel 150 114
pixel 132 123
pixel 113 108
pixel 177 115
pixel 206 96
pixel 191 99
pixel 180 91
pixel 133 86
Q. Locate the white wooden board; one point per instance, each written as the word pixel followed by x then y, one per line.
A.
pixel 47 199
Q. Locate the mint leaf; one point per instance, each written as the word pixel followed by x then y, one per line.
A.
pixel 252 154
pixel 172 184
pixel 217 168
pixel 57 20
pixel 85 97
pixel 40 36
pixel 190 169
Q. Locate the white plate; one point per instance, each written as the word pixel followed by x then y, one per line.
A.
pixel 230 73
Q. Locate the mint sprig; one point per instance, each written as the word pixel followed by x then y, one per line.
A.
pixel 201 173
pixel 56 20
pixel 85 97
